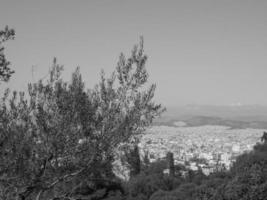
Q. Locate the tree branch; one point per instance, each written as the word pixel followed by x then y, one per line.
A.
pixel 62 178
pixel 39 194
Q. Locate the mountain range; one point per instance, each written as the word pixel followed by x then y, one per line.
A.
pixel 234 116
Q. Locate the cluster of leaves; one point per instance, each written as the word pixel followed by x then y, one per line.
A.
pixel 5 71
pixel 152 183
pixel 58 139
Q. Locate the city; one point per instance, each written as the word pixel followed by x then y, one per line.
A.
pixel 206 147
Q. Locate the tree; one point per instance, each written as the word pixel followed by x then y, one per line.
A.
pixel 264 137
pixel 63 136
pixel 170 163
pixel 5 71
pixel 133 159
pixel 40 136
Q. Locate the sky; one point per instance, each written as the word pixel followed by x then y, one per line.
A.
pixel 199 52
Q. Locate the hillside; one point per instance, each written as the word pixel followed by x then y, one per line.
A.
pixel 231 116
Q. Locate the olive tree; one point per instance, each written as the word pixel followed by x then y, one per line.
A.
pixel 60 135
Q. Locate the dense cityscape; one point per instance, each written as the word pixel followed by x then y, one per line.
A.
pixel 205 147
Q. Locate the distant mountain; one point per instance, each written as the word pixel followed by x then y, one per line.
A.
pixel 246 116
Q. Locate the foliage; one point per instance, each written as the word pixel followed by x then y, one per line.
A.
pixel 132 156
pixel 58 140
pixel 150 181
pixel 5 71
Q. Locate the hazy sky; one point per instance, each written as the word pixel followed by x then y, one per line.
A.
pixel 203 52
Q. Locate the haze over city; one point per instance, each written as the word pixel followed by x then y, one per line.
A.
pixel 199 52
